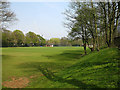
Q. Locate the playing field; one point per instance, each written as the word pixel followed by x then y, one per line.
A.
pixel 59 67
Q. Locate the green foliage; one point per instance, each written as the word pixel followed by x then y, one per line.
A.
pixel 65 41
pixel 19 37
pixel 7 38
pixel 31 38
pixel 77 42
pixel 94 23
pixel 42 40
pixel 54 41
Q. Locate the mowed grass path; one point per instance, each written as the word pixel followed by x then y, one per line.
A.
pixel 62 67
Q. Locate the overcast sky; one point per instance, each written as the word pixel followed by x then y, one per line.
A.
pixel 44 18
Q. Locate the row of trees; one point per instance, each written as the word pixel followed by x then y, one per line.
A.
pixel 64 41
pixel 17 38
pixel 96 23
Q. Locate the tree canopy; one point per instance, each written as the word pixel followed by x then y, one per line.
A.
pixel 94 23
pixel 17 38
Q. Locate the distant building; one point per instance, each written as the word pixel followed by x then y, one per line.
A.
pixel 49 45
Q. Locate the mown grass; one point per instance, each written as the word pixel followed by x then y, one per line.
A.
pixel 62 67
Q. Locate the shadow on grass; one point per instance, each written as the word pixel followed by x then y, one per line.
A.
pixel 4 57
pixel 48 68
pixel 68 55
pixel 50 75
pixel 44 68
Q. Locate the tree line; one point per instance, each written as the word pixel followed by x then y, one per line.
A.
pixel 96 23
pixel 64 41
pixel 18 39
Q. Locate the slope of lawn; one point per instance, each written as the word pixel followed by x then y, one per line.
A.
pixel 61 67
pixel 25 61
pixel 96 70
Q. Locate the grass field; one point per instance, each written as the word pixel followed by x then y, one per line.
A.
pixel 60 67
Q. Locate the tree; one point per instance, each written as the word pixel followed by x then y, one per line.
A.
pixel 78 19
pixel 42 40
pixel 7 38
pixel 94 23
pixel 31 39
pixel 54 41
pixel 6 15
pixel 64 41
pixel 111 14
pixel 19 37
pixel 77 42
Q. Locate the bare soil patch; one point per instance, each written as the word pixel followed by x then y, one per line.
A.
pixel 21 82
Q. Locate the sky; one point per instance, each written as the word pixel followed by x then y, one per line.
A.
pixel 43 18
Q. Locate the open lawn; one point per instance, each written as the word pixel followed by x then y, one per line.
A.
pixel 59 67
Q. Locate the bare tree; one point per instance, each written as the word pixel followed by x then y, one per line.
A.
pixel 6 15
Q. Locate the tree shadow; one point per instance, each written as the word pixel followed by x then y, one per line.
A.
pixel 34 66
pixel 50 75
pixel 53 76
pixel 67 55
pixel 4 57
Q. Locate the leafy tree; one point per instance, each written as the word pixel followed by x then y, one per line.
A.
pixel 64 41
pixel 31 39
pixel 78 18
pixel 54 41
pixel 93 22
pixel 42 40
pixel 110 12
pixel 19 37
pixel 7 38
pixel 77 42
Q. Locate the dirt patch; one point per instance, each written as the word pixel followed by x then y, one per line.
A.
pixel 20 82
pixel 16 83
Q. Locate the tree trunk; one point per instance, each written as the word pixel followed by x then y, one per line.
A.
pixel 94 43
pixel 106 27
pixel 95 22
pixel 84 39
pixel 85 48
pixel 96 35
pixel 116 21
pixel 109 23
pixel 84 42
pixel 112 22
